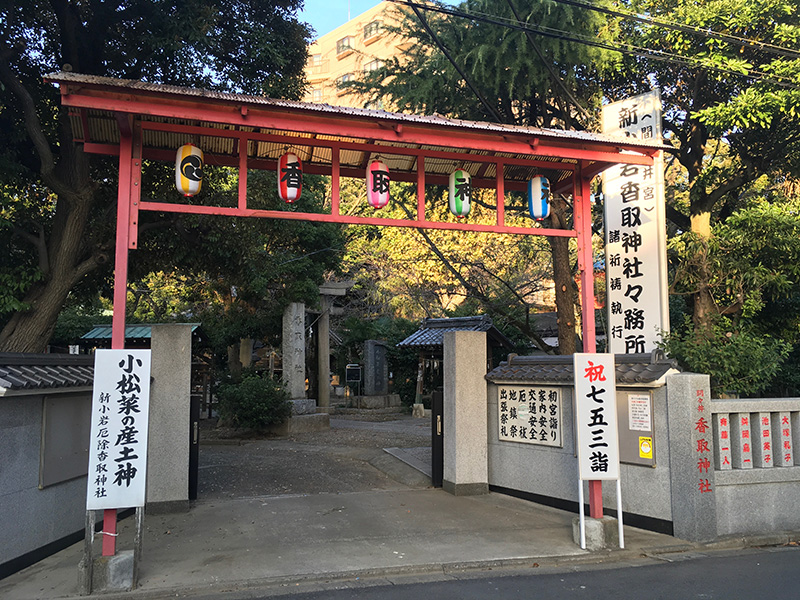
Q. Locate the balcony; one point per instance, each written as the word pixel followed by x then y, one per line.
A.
pixel 345 46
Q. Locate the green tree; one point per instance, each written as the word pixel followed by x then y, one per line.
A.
pixel 505 75
pixel 413 273
pixel 730 113
pixel 755 267
pixel 58 201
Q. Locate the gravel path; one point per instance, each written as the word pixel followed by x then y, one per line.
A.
pixel 338 460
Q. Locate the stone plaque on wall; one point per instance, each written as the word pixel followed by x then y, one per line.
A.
pixel 530 414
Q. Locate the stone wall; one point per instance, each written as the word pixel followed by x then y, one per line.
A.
pixel 722 467
pixel 33 518
pixel 552 472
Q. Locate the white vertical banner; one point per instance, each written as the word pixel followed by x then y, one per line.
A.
pixel 635 224
pixel 118 443
pixel 596 416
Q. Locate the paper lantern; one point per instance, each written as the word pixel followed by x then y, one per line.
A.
pixel 290 177
pixel 377 184
pixel 189 169
pixel 460 192
pixel 539 197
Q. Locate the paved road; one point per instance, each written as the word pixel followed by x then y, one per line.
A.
pixel 730 575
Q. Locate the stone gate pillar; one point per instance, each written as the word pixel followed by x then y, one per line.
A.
pixel 168 439
pixel 294 350
pixel 466 470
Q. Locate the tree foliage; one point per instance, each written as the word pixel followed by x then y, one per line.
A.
pixel 410 273
pixel 468 68
pixel 730 112
pixel 57 201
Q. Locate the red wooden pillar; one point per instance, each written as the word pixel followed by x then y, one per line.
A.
pixel 128 196
pixel 583 226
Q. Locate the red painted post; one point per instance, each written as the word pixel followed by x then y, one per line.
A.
pixel 335 180
pixel 128 192
pixel 501 195
pixel 583 226
pixel 420 188
pixel 243 143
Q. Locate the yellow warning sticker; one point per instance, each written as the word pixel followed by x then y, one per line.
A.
pixel 645 447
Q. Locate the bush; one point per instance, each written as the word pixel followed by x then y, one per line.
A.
pixel 739 360
pixel 254 403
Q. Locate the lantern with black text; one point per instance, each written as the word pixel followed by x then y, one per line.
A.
pixel 377 184
pixel 460 192
pixel 189 169
pixel 290 177
pixel 539 197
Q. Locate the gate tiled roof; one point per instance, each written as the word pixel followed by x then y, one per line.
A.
pixel 44 371
pixel 631 369
pixel 430 335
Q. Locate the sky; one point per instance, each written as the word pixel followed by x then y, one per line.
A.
pixel 326 15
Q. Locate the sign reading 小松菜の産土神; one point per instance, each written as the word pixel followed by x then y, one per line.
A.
pixel 529 414
pixel 118 443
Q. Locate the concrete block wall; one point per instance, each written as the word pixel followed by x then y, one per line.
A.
pixel 553 472
pixel 31 518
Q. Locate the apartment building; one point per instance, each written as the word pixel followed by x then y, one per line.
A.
pixel 360 45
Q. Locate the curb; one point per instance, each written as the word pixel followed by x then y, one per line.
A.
pixel 286 584
pixel 250 588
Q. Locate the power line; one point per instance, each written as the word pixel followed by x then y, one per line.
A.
pixel 690 29
pixel 630 49
pixel 553 75
pixel 444 51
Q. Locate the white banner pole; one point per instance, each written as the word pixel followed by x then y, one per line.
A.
pixel 580 512
pixel 619 515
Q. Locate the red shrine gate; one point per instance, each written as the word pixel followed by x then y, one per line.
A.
pixel 136 120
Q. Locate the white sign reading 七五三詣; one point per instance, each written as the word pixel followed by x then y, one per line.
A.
pixel 596 416
pixel 118 444
pixel 635 233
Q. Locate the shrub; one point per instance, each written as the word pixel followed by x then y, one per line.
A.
pixel 738 359
pixel 254 403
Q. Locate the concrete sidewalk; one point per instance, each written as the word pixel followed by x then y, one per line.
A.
pixel 343 513
pixel 279 541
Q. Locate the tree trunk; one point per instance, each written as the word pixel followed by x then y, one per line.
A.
pixel 562 277
pixel 565 296
pixel 704 305
pixel 30 330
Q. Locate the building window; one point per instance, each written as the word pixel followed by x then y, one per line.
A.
pixel 372 30
pixel 315 59
pixel 316 95
pixel 344 46
pixel 340 81
pixel 373 65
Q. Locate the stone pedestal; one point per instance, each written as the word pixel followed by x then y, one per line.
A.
pixel 108 574
pixel 302 424
pixel 374 402
pixel 600 533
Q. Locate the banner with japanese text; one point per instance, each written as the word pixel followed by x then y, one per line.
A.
pixel 118 444
pixel 635 224
pixel 596 416
pixel 530 414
